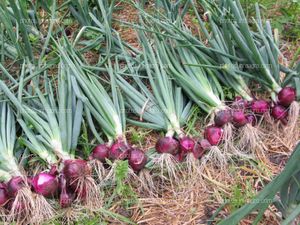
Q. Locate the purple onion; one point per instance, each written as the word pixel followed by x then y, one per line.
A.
pixel 74 168
pixel 186 144
pixel 65 198
pixel 260 106
pixel 213 134
pixel 45 184
pixel 279 112
pixel 200 148
pixel 119 150
pixel 286 96
pixel 167 145
pixel 239 118
pixel 100 152
pixel 205 144
pixel 14 185
pixel 3 194
pixel 137 159
pixel 222 117
pixel 180 156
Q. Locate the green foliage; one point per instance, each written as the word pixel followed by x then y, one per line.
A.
pixel 241 195
pixel 124 190
pixel 138 135
pixel 284 15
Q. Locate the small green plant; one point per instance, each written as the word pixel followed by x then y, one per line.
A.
pixel 138 135
pixel 241 195
pixel 123 190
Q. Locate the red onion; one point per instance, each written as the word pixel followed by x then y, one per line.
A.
pixel 3 194
pixel 167 145
pixel 286 96
pixel 198 150
pixel 74 168
pixel 100 152
pixel 119 150
pixel 186 144
pixel 222 117
pixel 14 185
pixel 137 159
pixel 239 118
pixel 180 156
pixel 205 144
pixel 279 112
pixel 260 106
pixel 213 134
pixel 45 184
pixel 65 198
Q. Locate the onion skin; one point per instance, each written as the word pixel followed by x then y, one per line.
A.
pixel 260 106
pixel 240 103
pixel 286 96
pixel 137 159
pixel 3 195
pixel 119 151
pixel 45 184
pixel 100 152
pixel 213 134
pixel 14 185
pixel 186 144
pixel 279 112
pixel 167 145
pixel 222 117
pixel 239 118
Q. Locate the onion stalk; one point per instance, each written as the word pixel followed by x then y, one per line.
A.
pixel 53 133
pixel 23 205
pixel 108 111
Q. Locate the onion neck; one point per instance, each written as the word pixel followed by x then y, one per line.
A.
pixel 58 149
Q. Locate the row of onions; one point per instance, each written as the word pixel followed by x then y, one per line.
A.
pixel 203 69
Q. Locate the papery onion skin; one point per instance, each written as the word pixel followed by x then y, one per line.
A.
pixel 167 145
pixel 222 117
pixel 100 152
pixel 137 159
pixel 213 134
pixel 45 184
pixel 186 144
pixel 279 112
pixel 4 197
pixel 286 96
pixel 260 106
